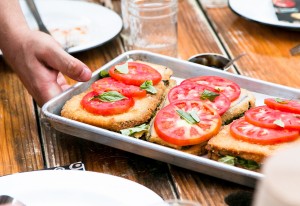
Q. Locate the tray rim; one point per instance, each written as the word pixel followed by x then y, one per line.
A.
pixel 244 177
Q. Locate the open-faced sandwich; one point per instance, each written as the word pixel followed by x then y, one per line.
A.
pixel 195 110
pixel 129 97
pixel 248 141
pixel 140 99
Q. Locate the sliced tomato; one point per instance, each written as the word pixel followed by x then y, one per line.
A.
pixel 110 84
pixel 193 91
pixel 98 107
pixel 173 129
pixel 264 116
pixel 137 74
pixel 230 89
pixel 284 105
pixel 243 130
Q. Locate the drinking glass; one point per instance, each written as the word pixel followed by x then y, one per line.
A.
pixel 151 25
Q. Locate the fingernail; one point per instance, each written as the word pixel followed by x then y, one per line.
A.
pixel 86 74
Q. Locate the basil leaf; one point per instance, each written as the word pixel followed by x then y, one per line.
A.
pixel 237 161
pixel 103 73
pixel 133 130
pixel 188 116
pixel 249 164
pixel 228 160
pixel 279 122
pixel 193 113
pixel 281 101
pixel 122 68
pixel 111 96
pixel 206 94
pixel 148 86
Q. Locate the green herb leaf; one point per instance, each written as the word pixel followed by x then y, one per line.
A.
pixel 103 73
pixel 279 122
pixel 228 160
pixel 281 101
pixel 237 161
pixel 148 86
pixel 206 94
pixel 133 130
pixel 122 68
pixel 111 96
pixel 248 164
pixel 191 117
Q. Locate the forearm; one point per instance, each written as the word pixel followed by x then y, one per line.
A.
pixel 12 23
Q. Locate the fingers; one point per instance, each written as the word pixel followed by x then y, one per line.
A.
pixel 61 61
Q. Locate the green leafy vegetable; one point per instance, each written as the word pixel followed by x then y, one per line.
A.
pixel 237 161
pixel 148 86
pixel 122 68
pixel 228 160
pixel 281 101
pixel 103 73
pixel 133 130
pixel 279 122
pixel 111 96
pixel 190 117
pixel 206 94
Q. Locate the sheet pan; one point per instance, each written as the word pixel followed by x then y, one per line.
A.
pixel 182 70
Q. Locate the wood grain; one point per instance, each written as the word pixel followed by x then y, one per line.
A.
pixel 267 48
pixel 20 148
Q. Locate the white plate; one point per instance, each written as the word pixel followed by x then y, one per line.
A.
pixel 261 11
pixel 71 187
pixel 97 24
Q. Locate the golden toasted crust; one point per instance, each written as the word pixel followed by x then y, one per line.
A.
pixel 238 107
pixel 141 112
pixel 224 144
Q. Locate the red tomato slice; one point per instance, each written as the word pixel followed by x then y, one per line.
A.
pixel 173 129
pixel 264 116
pixel 284 3
pixel 96 106
pixel 137 74
pixel 230 89
pixel 284 105
pixel 193 91
pixel 110 84
pixel 243 130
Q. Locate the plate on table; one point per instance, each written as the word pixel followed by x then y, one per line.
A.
pixel 260 11
pixel 71 187
pixel 81 25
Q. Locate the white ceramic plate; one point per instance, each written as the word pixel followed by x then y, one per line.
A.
pixel 71 187
pixel 89 25
pixel 261 11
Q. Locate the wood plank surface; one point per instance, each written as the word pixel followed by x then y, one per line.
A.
pixel 267 47
pixel 20 148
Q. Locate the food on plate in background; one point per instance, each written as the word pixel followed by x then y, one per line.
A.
pixel 70 37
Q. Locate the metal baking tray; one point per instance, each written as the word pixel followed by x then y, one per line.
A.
pixel 182 69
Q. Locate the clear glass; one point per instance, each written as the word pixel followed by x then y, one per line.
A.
pixel 151 25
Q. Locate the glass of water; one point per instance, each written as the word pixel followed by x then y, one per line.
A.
pixel 152 26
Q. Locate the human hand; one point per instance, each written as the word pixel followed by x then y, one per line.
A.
pixel 40 63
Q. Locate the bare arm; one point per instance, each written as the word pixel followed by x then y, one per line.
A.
pixel 36 57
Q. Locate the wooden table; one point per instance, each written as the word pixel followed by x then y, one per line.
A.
pixel 25 145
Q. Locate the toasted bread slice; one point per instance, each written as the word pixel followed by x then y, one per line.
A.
pixel 224 144
pixel 141 112
pixel 238 107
